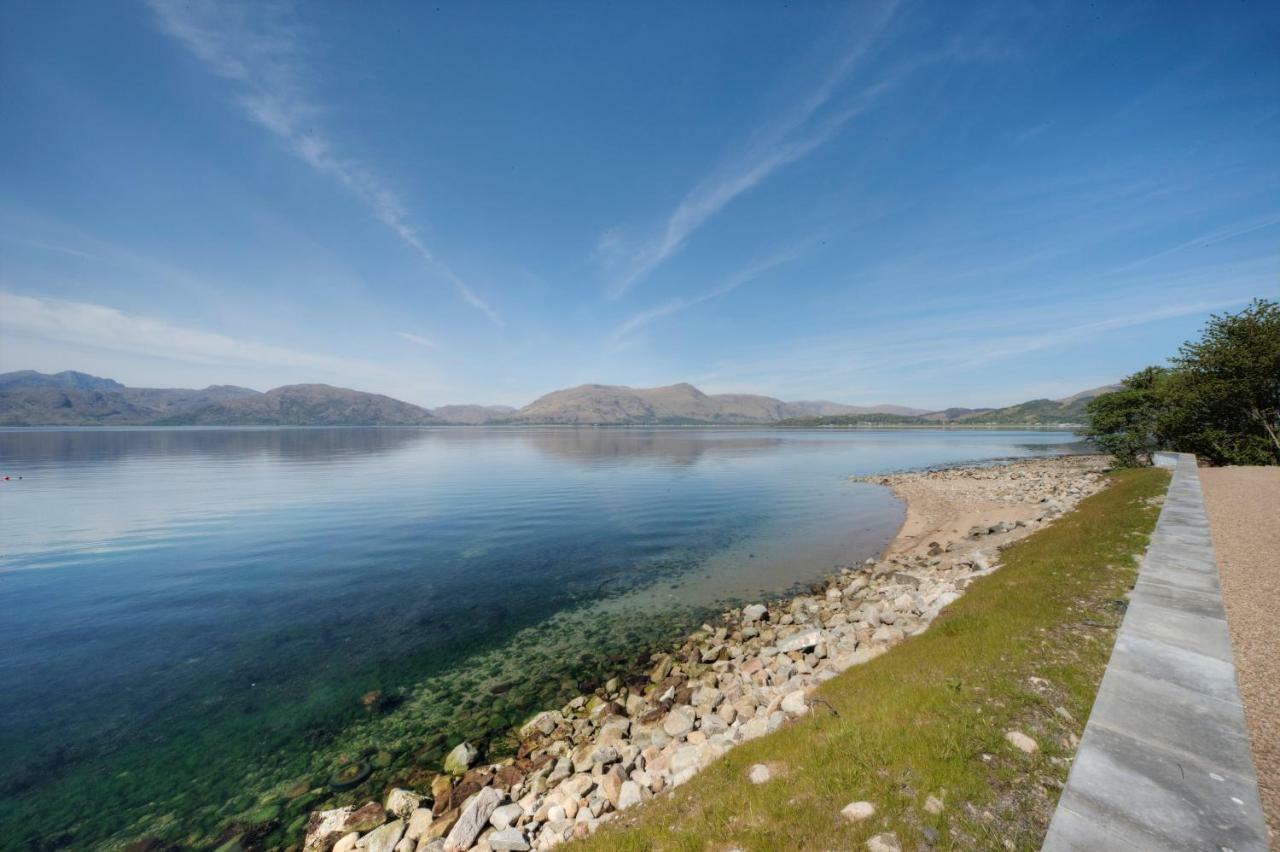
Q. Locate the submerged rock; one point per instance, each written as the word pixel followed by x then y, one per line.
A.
pixel 460 759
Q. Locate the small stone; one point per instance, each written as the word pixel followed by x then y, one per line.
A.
pixel 1022 742
pixel 508 840
pixel 759 774
pixel 887 842
pixel 347 843
pixel 460 759
pixel 858 811
pixel 933 805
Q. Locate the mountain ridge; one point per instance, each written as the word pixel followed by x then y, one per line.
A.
pixel 71 398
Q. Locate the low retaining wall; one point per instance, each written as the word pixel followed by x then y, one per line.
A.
pixel 1165 763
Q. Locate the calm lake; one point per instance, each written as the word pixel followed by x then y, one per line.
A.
pixel 190 618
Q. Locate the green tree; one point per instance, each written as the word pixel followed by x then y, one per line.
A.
pixel 1125 423
pixel 1219 399
pixel 1224 401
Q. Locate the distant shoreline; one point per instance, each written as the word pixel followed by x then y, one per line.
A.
pixel 870 427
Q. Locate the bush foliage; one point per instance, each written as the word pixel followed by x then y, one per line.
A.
pixel 1219 397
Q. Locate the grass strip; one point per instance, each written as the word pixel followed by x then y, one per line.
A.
pixel 1023 650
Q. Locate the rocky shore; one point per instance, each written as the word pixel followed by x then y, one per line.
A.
pixel 579 766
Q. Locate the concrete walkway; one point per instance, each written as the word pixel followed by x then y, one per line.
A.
pixel 1164 763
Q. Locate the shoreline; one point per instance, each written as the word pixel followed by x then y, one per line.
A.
pixel 581 765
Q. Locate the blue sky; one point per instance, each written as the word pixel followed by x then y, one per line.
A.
pixel 923 203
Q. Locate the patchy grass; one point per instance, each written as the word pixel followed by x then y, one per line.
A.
pixel 1024 650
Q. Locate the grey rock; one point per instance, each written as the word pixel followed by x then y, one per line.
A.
pixel 801 641
pixel 505 816
pixel 384 838
pixel 474 818
pixel 508 840
pixel 679 722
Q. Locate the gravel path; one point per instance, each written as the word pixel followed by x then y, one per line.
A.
pixel 1243 504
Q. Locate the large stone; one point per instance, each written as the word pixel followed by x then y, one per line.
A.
pixel 402 802
pixel 460 759
pixel 577 786
pixel 678 722
pixel 419 822
pixel 795 703
pixel 858 811
pixel 325 828
pixel 508 840
pixel 611 784
pixel 660 670
pixel 754 613
pixel 802 641
pixel 346 844
pixel 384 838
pixel 506 816
pixel 543 723
pixel 474 817
pixel 629 796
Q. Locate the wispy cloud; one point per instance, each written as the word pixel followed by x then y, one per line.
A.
pixel 87 324
pixel 733 282
pixel 418 339
pixel 790 137
pixel 251 46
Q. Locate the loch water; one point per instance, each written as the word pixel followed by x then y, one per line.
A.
pixel 198 626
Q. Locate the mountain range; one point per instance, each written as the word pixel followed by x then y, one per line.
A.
pixel 29 398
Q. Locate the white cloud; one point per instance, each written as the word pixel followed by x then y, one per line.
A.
pixel 248 45
pixel 785 140
pixel 36 325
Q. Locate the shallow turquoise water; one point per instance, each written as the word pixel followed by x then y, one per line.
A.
pixel 189 617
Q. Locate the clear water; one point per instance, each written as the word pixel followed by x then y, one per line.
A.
pixel 189 618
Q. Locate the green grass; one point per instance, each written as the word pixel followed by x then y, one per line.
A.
pixel 930 717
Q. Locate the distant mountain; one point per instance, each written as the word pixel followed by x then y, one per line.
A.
pixel 66 380
pixel 1039 412
pixel 675 404
pixel 472 415
pixel 1068 411
pixel 821 408
pixel 28 398
pixel 306 405
pixel 947 415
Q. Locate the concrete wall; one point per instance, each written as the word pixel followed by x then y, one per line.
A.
pixel 1164 763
